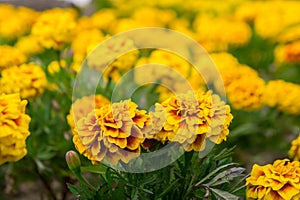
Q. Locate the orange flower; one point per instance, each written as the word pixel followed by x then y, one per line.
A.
pixel 14 124
pixel 294 152
pixel 280 181
pixel 112 132
pixel 191 118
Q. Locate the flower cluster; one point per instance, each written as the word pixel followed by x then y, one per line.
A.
pixel 10 56
pixel 14 124
pixel 294 151
pixel 283 95
pixel 28 79
pixel 55 28
pixel 288 53
pixel 16 22
pixel 243 85
pixel 278 181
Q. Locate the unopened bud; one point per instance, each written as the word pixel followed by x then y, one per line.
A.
pixel 73 160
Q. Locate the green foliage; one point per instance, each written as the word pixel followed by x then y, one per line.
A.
pixel 214 176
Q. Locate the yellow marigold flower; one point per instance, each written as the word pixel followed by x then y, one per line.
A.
pixel 10 56
pixel 222 34
pixel 276 15
pixel 278 181
pixel 294 151
pixel 109 15
pixel 191 118
pixel 248 11
pixel 283 95
pixel 112 132
pixel 83 106
pixel 29 46
pixel 55 66
pixel 290 34
pixel 29 80
pixel 243 85
pixel 111 53
pixel 85 41
pixel 14 124
pixel 289 53
pixel 17 23
pixel 55 28
pixel 153 17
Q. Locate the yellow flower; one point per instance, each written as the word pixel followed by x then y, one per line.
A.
pixel 294 151
pixel 191 118
pixel 112 63
pixel 289 53
pixel 290 34
pixel 55 66
pixel 278 181
pixel 244 88
pixel 276 15
pixel 109 15
pixel 112 132
pixel 283 95
pixel 55 28
pixel 83 106
pixel 84 42
pixel 28 79
pixel 14 124
pixel 17 22
pixel 29 46
pixel 224 33
pixel 10 56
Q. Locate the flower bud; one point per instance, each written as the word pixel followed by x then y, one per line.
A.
pixel 73 160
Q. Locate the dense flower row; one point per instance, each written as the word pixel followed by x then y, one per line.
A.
pixel 117 131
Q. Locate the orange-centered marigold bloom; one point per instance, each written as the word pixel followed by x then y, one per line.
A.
pixel 14 124
pixel 191 118
pixel 294 152
pixel 280 181
pixel 112 132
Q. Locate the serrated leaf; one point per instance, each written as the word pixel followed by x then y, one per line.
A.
pixel 73 189
pixel 224 195
pixel 226 176
pixel 214 172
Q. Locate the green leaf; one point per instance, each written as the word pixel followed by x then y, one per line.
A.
pixel 73 189
pixel 170 187
pixel 226 176
pixel 224 195
pixel 98 169
pixel 214 172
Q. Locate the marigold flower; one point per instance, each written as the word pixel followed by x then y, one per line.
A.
pixel 214 38
pixel 55 66
pixel 283 95
pixel 191 118
pixel 112 64
pixel 17 22
pixel 294 151
pixel 83 106
pixel 289 53
pixel 244 88
pixel 28 79
pixel 14 124
pixel 84 42
pixel 112 132
pixel 10 56
pixel 276 16
pixel 29 45
pixel 55 28
pixel 278 181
